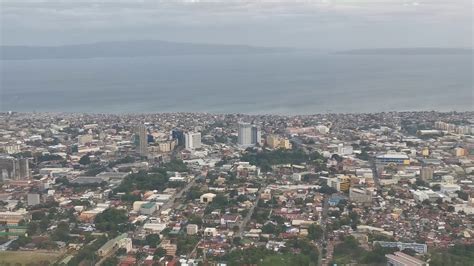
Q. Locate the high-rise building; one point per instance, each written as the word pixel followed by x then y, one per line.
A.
pixel 24 168
pixel 245 134
pixel 426 173
pixel 178 135
pixel 192 140
pixel 256 135
pixel 13 168
pixel 141 140
pixel 248 135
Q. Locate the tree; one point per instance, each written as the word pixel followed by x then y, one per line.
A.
pixel 112 220
pixel 409 251
pixel 193 193
pixel 325 189
pixel 140 255
pixel 19 242
pixel 37 215
pixel 236 241
pixel 44 223
pixel 159 253
pixel 363 155
pixel 33 227
pixel 111 261
pixel 61 233
pixel 315 232
pixel 426 202
pixel 463 195
pixel 194 219
pixel 85 160
pixel 152 240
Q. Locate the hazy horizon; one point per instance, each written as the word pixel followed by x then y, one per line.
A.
pixel 316 24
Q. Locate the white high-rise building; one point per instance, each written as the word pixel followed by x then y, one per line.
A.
pixel 141 140
pixel 249 135
pixel 192 140
pixel 245 134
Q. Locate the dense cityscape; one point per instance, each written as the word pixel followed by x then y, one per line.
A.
pixel 390 188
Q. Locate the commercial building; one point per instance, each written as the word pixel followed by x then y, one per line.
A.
pixel 426 173
pixel 84 139
pixel 392 157
pixel 340 183
pixel 207 198
pixel 148 208
pixel 344 150
pixel 33 199
pixel 170 248
pixel 13 218
pixel 192 229
pixel 419 248
pixel 192 140
pixel 360 195
pixel 275 142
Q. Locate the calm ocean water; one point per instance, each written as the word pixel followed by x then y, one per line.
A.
pixel 289 83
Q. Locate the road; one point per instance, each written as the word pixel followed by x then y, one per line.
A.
pixel 172 203
pixel 323 241
pixel 247 218
pixel 375 175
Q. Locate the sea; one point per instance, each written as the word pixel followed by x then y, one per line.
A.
pixel 286 83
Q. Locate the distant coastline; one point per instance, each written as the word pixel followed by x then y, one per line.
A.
pixel 126 49
pixel 408 51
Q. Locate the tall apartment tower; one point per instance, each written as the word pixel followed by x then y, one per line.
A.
pixel 192 140
pixel 245 134
pixel 13 168
pixel 178 135
pixel 249 135
pixel 24 168
pixel 141 140
pixel 256 135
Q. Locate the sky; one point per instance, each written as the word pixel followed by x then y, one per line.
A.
pixel 314 24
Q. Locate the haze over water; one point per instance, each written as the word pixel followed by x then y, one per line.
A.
pixel 276 83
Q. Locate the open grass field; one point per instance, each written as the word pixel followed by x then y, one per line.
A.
pixel 27 258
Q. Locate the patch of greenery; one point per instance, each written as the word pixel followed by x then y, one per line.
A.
pixel 457 255
pixel 88 252
pixel 143 181
pixel 186 244
pixel 297 252
pixel 266 159
pixel 112 220
pixel 349 251
pixel 174 166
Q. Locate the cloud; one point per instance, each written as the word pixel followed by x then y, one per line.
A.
pixel 251 22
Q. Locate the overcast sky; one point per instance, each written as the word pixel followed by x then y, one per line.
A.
pixel 321 24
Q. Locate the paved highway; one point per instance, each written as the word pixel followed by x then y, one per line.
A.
pixel 247 218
